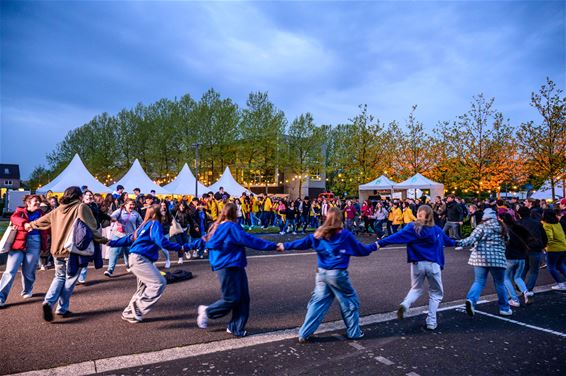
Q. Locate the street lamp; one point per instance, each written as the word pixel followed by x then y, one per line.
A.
pixel 196 145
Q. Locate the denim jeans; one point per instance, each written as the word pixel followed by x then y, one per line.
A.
pixel 166 252
pixel 477 287
pixel 349 224
pixel 432 273
pixel 378 227
pixel 28 259
pixel 556 262
pixel 290 224
pixel 114 253
pixel 254 219
pixel 535 258
pixel 235 298
pixel 151 284
pixel 330 284
pixel 61 287
pixel 82 274
pixel 513 274
pixel 453 227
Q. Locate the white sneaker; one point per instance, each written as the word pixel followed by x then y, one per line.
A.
pixel 530 293
pixel 505 313
pixel 202 318
pixel 2 304
pixel 27 296
pixel 168 264
pixel 180 262
pixel 514 303
pixel 559 287
pixel 282 233
pixel 42 267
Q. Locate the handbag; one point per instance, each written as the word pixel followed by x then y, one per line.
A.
pixel 79 239
pixel 8 238
pixel 175 228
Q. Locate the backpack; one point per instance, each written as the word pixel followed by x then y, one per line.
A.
pixel 177 276
pixel 80 239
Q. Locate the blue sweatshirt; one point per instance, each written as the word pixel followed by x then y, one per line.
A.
pixel 428 246
pixel 148 243
pixel 226 247
pixel 334 253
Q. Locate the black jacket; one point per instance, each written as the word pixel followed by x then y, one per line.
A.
pixel 517 246
pixel 454 212
pixel 538 239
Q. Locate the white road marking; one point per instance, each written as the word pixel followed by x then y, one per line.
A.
pixel 413 374
pixel 357 346
pixel 560 334
pixel 383 360
pixel 160 356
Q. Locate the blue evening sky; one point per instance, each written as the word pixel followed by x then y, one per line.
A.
pixel 62 63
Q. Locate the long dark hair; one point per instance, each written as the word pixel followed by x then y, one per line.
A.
pixel 71 194
pixel 549 216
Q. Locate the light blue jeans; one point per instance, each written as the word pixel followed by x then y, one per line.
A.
pixel 498 275
pixel 330 284
pixel 82 274
pixel 535 259
pixel 514 272
pixel 28 260
pixel 114 253
pixel 61 287
pixel 432 273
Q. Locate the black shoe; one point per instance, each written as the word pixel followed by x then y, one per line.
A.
pixel 64 314
pixel 108 274
pixel 401 312
pixel 47 312
pixel 470 308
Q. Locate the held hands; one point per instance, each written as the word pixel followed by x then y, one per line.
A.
pixel 280 247
pixel 27 227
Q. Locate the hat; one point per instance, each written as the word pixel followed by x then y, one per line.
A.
pixel 563 201
pixel 488 214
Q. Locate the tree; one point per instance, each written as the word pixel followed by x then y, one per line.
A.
pixel 478 143
pixel 545 143
pixel 305 143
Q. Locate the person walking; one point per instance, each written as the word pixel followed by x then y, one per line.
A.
pixel 145 244
pixel 425 252
pixel 226 243
pixel 488 256
pixel 454 217
pixel 61 221
pixel 556 248
pixel 125 221
pixel 25 249
pixel 334 245
pixel 537 242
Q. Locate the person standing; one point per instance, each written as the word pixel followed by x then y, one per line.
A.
pixel 334 246
pixel 454 217
pixel 380 218
pixel 556 248
pixel 125 221
pixel 425 252
pixel 396 217
pixel 61 221
pixel 25 249
pixel 537 242
pixel 488 256
pixel 226 243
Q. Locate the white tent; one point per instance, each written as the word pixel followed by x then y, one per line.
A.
pixel 75 174
pixel 382 183
pixel 229 183
pixel 420 182
pixel 137 178
pixel 184 183
pixel 545 191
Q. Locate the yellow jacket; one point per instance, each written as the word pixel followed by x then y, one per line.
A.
pixel 255 206
pixel 556 237
pixel 397 216
pixel 408 216
pixel 267 204
pixel 212 208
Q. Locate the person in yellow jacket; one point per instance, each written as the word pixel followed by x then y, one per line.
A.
pixel 212 207
pixel 555 249
pixel 408 215
pixel 396 217
pixel 255 210
pixel 267 214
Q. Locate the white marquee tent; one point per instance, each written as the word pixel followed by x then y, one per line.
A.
pixel 229 183
pixel 545 191
pixel 382 183
pixel 75 174
pixel 184 183
pixel 420 182
pixel 137 178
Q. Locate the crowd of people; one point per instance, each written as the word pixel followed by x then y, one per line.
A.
pixel 509 240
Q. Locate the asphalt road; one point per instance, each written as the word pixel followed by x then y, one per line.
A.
pixel 280 286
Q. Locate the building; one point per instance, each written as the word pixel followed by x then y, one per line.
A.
pixel 10 176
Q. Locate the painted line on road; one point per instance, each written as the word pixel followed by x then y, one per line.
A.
pixel 383 360
pixel 190 351
pixel 556 333
pixel 413 374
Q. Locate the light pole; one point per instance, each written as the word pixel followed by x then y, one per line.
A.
pixel 196 145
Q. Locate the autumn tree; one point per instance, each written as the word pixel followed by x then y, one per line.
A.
pixel 545 143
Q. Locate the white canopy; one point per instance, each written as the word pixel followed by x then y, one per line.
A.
pixel 229 183
pixel 545 191
pixel 75 174
pixel 184 183
pixel 137 178
pixel 381 183
pixel 420 182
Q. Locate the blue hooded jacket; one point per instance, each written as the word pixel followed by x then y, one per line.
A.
pixel 149 242
pixel 426 246
pixel 335 252
pixel 226 247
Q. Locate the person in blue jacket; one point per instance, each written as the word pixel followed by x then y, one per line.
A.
pixel 146 242
pixel 425 252
pixel 226 242
pixel 334 245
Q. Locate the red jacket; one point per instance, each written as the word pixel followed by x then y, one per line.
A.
pixel 19 218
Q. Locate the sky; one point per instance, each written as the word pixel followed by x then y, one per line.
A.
pixel 62 63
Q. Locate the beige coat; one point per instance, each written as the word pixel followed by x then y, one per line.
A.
pixel 61 221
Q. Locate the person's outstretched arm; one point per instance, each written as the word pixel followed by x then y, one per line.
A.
pixel 124 241
pixel 250 241
pixel 474 237
pixel 356 248
pixel 160 240
pixel 401 237
pixel 300 244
